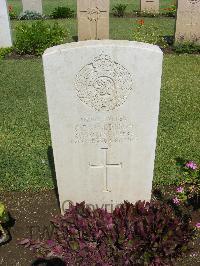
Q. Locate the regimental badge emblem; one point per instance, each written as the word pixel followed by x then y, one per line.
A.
pixel 103 84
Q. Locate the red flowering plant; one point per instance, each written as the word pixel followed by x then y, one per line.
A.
pixel 12 13
pixel 170 11
pixel 150 33
pixel 10 8
pixel 140 22
pixel 134 234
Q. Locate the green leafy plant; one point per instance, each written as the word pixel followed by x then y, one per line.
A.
pixel 62 12
pixel 4 218
pixel 119 10
pixel 189 190
pixel 148 34
pixel 36 37
pixel 30 15
pixel 5 51
pixel 186 48
pixel 134 234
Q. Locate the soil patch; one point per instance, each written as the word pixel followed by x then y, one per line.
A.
pixel 32 212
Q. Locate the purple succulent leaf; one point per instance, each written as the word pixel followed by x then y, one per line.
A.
pixel 25 241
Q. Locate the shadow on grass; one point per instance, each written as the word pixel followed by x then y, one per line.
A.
pixel 53 171
pixel 169 39
pixel 75 38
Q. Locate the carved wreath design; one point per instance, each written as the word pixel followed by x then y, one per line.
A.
pixel 93 14
pixel 103 84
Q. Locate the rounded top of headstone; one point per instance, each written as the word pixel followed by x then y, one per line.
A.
pixel 102 43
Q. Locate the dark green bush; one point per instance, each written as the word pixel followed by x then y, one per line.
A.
pixel 30 15
pixel 186 48
pixel 119 10
pixel 36 37
pixel 62 12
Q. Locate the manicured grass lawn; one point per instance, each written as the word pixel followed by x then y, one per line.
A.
pixel 25 136
pixel 179 123
pixel 24 128
pixel 49 5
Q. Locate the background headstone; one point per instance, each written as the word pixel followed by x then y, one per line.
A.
pixel 103 112
pixel 32 5
pixel 93 19
pixel 151 6
pixel 5 33
pixel 188 21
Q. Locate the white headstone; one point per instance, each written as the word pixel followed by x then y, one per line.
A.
pixel 103 101
pixel 93 19
pixel 151 6
pixel 32 5
pixel 5 33
pixel 188 21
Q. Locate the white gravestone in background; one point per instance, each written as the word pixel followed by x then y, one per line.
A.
pixel 5 33
pixel 103 102
pixel 32 5
pixel 93 19
pixel 151 6
pixel 188 21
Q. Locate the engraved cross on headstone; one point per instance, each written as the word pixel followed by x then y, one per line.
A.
pixel 106 165
pixel 93 14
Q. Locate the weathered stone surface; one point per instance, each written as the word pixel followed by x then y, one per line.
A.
pixel 93 19
pixel 103 101
pixel 5 32
pixel 32 5
pixel 188 21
